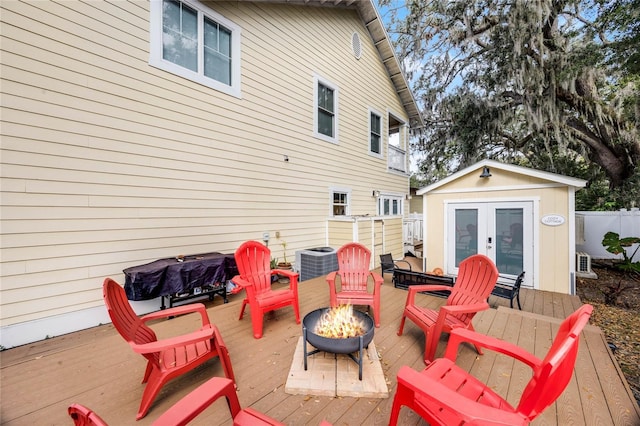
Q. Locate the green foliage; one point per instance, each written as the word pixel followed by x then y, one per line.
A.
pixel 616 245
pixel 284 250
pixel 622 17
pixel 544 84
pixel 274 263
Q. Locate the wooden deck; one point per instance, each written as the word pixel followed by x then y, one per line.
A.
pixel 97 368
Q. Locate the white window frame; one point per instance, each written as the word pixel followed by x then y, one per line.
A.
pixel 336 116
pixel 346 191
pixel 156 59
pixel 381 147
pixel 390 197
pixel 401 151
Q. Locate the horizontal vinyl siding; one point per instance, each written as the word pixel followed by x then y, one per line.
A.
pixel 393 237
pixel 108 162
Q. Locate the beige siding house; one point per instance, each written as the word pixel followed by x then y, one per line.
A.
pixel 523 219
pixel 137 130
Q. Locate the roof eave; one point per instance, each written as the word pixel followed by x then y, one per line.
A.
pixel 373 23
pixel 552 177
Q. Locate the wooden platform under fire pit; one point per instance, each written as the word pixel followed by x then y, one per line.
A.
pixel 330 374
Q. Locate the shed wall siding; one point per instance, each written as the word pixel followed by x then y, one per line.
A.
pixel 108 162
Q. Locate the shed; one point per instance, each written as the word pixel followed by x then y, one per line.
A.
pixel 522 218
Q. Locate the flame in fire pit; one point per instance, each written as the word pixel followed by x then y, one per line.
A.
pixel 339 323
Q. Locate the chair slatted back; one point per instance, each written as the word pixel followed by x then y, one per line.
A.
pixel 124 319
pixel 386 263
pixel 556 369
pixel 253 260
pixel 477 276
pixel 353 266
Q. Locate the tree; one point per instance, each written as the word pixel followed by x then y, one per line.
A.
pixel 535 83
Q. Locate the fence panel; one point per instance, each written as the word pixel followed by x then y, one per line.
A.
pixel 591 227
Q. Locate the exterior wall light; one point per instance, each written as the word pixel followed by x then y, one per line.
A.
pixel 375 193
pixel 486 173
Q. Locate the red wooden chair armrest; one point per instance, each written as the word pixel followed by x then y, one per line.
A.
pixel 465 309
pixel 460 335
pixel 238 280
pixel 377 279
pixel 82 415
pixel 218 336
pixel 331 277
pixel 415 289
pixel 251 417
pixel 293 277
pixel 285 272
pixel 439 395
pixel 172 342
pixel 179 310
pixel 196 401
pixel 245 285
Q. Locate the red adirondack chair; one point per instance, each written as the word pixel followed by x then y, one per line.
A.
pixel 477 276
pixel 189 407
pixel 253 260
pixel 167 358
pixel 83 416
pixel 353 269
pixel 445 394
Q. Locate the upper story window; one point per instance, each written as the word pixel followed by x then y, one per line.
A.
pixel 340 202
pixel 396 148
pixel 194 42
pixel 325 110
pixel 375 133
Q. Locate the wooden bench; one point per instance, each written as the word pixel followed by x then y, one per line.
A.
pixel 506 287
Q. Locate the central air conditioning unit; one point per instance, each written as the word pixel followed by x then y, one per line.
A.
pixel 314 262
pixel 583 263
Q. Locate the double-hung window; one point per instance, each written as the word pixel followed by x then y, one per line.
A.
pixel 194 42
pixel 325 110
pixel 340 202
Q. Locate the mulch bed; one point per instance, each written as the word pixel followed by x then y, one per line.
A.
pixel 620 323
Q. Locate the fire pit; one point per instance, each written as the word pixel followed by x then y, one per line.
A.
pixel 342 343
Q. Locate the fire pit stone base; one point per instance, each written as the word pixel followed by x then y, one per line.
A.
pixel 331 375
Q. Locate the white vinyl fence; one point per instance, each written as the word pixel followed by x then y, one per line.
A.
pixel 592 226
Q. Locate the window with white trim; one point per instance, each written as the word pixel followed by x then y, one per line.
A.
pixel 325 115
pixel 194 42
pixel 397 146
pixel 375 133
pixel 340 203
pixel 390 205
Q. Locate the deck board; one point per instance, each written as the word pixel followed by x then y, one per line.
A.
pixel 97 368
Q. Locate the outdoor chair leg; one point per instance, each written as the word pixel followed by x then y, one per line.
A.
pixel 244 305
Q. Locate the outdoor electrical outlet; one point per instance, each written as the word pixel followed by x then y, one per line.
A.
pixel 277 234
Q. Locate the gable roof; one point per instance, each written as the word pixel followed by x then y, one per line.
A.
pixel 492 164
pixel 373 22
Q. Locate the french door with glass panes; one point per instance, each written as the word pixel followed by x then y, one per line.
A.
pixel 503 231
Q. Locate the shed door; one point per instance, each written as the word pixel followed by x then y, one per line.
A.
pixel 503 231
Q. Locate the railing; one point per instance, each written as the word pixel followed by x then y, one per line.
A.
pixel 412 228
pixel 397 159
